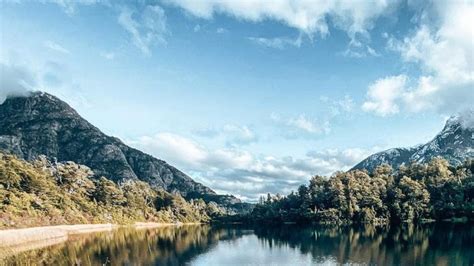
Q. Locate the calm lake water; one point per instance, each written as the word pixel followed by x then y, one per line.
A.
pixel 439 244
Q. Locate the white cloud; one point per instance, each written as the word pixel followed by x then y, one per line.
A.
pixel 304 126
pixel 239 134
pixel 467 118
pixel 70 6
pixel 176 149
pixel 442 46
pixel 278 43
pixel 306 16
pixel 233 135
pixel 15 81
pixel 384 94
pixel 345 105
pixel 338 160
pixel 310 17
pixel 56 47
pixel 238 172
pixel 360 51
pixel 301 125
pixel 146 27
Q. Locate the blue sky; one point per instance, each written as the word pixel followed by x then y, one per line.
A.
pixel 248 96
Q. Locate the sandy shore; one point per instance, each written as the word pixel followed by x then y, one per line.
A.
pixel 13 241
pixel 14 237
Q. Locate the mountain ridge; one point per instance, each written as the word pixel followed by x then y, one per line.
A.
pixel 454 143
pixel 42 124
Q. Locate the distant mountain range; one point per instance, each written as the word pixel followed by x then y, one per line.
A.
pixel 42 124
pixel 455 143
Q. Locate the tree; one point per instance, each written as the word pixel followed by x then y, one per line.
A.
pixel 409 200
pixel 108 193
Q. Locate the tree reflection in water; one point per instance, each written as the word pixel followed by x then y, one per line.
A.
pixel 160 246
pixel 431 245
pixel 440 244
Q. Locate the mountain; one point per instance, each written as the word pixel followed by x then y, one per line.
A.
pixel 455 143
pixel 42 124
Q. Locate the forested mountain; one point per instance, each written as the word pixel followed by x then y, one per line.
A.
pixel 454 143
pixel 42 124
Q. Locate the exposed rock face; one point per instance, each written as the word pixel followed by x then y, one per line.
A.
pixel 43 124
pixel 455 143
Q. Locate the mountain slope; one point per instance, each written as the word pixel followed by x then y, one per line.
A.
pixel 43 124
pixel 455 143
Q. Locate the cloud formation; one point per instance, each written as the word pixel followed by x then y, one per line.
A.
pixel 56 47
pixel 301 125
pixel 306 126
pixel 15 81
pixel 147 27
pixel 383 95
pixel 233 135
pixel 442 47
pixel 70 6
pixel 310 17
pixel 277 43
pixel 239 172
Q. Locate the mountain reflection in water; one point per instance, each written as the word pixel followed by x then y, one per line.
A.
pixel 440 244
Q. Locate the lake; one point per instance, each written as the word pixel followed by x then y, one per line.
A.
pixel 434 244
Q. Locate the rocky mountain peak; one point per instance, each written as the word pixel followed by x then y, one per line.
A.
pixel 42 124
pixel 455 143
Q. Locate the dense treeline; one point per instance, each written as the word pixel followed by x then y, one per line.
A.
pixel 414 193
pixel 45 193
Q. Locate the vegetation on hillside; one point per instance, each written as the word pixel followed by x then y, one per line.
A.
pixel 45 193
pixel 414 193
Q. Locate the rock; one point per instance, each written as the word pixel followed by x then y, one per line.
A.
pixel 454 143
pixel 41 124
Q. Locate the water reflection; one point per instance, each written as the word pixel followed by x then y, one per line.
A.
pixel 205 245
pixel 439 244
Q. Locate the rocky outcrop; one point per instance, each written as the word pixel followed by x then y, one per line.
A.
pixel 42 124
pixel 454 143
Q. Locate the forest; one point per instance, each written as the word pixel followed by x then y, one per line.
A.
pixel 411 194
pixel 46 193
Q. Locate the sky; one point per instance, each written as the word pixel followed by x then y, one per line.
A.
pixel 248 96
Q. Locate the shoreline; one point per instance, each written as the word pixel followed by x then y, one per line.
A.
pixel 14 241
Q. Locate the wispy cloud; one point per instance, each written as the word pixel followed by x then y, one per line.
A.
pixel 233 135
pixel 147 27
pixel 300 126
pixel 360 51
pixel 277 43
pixel 70 6
pixel 56 47
pixel 356 18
